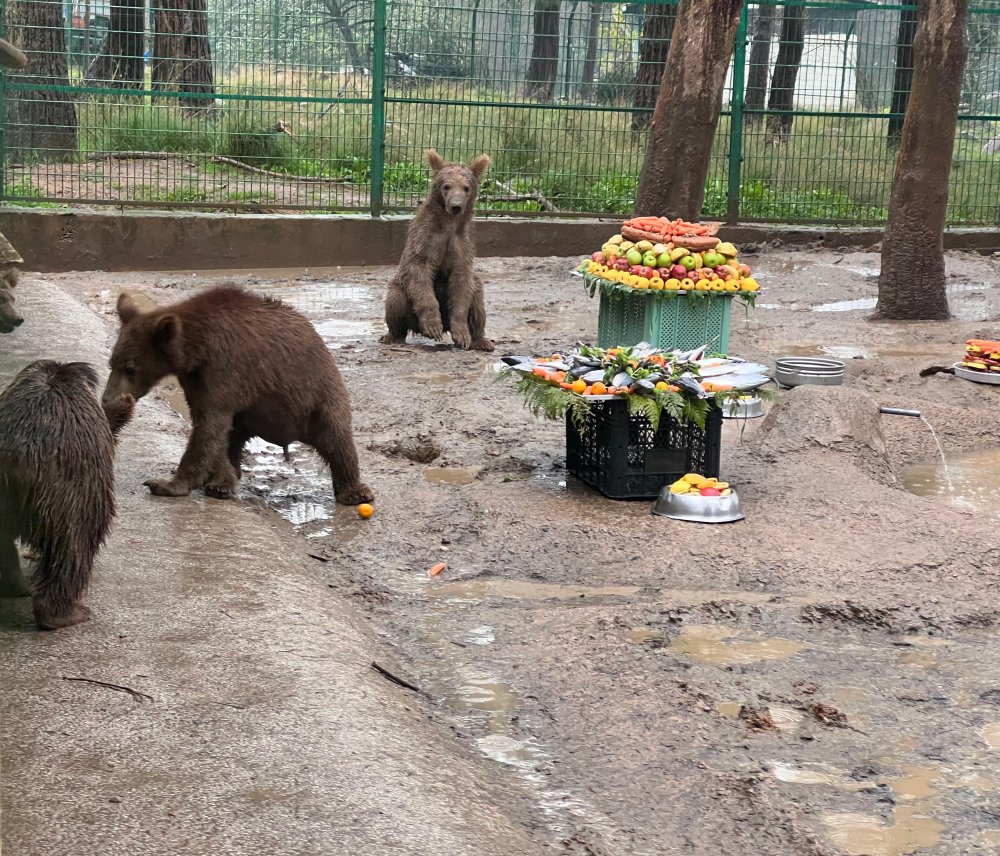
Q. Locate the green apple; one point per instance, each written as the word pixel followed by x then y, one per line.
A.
pixel 650 259
pixel 663 260
pixel 634 257
pixel 688 262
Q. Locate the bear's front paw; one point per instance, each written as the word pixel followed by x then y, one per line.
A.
pixel 220 491
pixel 482 345
pixel 161 487
pixel 432 329
pixel 461 338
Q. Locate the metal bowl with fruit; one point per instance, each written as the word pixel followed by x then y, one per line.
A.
pixel 698 499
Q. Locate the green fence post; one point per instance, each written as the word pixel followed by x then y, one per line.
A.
pixel 736 121
pixel 3 108
pixel 378 110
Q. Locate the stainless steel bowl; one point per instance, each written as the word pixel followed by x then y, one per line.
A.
pixel 743 408
pixel 698 509
pixel 799 371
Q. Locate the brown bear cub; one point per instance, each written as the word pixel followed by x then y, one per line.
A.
pixel 249 366
pixel 435 291
pixel 57 484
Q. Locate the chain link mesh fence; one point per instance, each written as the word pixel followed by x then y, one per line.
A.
pixel 327 105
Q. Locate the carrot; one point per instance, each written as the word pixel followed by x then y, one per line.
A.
pixel 440 566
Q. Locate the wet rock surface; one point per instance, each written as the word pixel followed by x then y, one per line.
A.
pixel 817 679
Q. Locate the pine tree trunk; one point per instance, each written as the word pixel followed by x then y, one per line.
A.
pixel 786 70
pixel 687 110
pixel 654 45
pixel 588 78
pixel 760 63
pixel 182 54
pixel 911 284
pixel 339 17
pixel 40 123
pixel 540 81
pixel 903 79
pixel 120 62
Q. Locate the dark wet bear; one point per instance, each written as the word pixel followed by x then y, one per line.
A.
pixel 57 491
pixel 250 367
pixel 10 318
pixel 436 291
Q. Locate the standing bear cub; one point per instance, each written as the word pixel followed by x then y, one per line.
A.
pixel 435 291
pixel 57 484
pixel 249 366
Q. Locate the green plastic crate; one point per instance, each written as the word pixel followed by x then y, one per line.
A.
pixel 665 319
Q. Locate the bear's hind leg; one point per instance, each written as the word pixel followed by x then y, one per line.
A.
pixel 331 436
pixel 397 317
pixel 477 320
pixel 61 578
pixel 205 460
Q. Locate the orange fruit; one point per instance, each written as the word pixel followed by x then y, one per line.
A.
pixel 365 510
pixel 578 386
pixel 599 389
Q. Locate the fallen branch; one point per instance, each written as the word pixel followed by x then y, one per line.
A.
pixel 135 155
pixel 385 673
pixel 117 687
pixel 532 196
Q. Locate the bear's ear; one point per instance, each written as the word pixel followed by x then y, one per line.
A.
pixel 167 334
pixel 434 159
pixel 479 166
pixel 127 308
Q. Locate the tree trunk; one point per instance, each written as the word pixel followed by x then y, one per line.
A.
pixel 903 78
pixel 786 69
pixel 182 54
pixel 760 63
pixel 120 61
pixel 589 76
pixel 40 123
pixel 654 45
pixel 339 18
pixel 911 285
pixel 876 30
pixel 540 81
pixel 678 155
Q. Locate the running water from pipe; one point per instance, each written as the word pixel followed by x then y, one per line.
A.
pixel 898 411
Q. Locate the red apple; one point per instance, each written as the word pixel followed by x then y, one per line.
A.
pixel 711 491
pixel 597 257
pixel 678 271
pixel 664 273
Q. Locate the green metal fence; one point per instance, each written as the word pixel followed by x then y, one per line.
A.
pixel 327 105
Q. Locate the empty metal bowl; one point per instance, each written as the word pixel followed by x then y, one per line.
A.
pixel 798 371
pixel 743 408
pixel 698 509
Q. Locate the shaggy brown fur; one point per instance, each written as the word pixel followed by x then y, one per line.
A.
pixel 9 316
pixel 249 367
pixel 435 289
pixel 57 489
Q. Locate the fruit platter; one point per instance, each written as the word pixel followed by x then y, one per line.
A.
pixel 655 254
pixel 683 384
pixel 981 363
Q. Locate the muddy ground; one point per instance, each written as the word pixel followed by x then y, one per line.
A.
pixel 820 678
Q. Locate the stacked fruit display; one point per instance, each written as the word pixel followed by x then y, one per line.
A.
pixel 982 356
pixel 685 259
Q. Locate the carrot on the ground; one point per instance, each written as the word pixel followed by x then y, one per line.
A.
pixel 440 566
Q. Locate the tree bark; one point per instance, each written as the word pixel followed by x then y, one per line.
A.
pixel 911 284
pixel 786 70
pixel 120 61
pixel 686 115
pixel 589 76
pixel 760 63
pixel 903 78
pixel 654 45
pixel 339 18
pixel 182 54
pixel 540 81
pixel 40 123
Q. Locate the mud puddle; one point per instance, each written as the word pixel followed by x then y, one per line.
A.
pixel 967 302
pixel 450 476
pixel 478 590
pixel 855 352
pixel 975 481
pixel 724 646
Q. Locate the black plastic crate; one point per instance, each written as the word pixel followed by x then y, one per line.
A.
pixel 619 454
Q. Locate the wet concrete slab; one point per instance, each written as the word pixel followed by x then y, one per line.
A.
pixel 222 699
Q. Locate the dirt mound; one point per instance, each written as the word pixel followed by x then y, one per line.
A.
pixel 840 420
